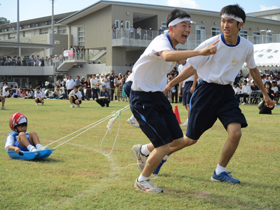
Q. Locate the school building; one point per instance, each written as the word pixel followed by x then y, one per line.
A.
pixel 118 49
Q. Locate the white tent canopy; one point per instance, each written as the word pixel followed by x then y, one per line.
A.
pixel 267 55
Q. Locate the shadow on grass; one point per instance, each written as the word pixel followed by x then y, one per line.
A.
pixel 47 160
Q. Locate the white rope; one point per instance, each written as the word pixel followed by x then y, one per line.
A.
pixel 92 126
pixel 109 126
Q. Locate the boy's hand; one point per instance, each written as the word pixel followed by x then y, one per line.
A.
pixel 209 49
pixel 268 102
pixel 192 90
pixel 167 88
pixel 17 150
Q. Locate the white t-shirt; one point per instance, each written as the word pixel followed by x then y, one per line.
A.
pixel 70 84
pixel 150 70
pixel 222 67
pixel 40 94
pixel 78 94
pixel 246 89
pixel 181 68
pixel 236 90
pixel 275 89
pixel 4 87
pixel 94 83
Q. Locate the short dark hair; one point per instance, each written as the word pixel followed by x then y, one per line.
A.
pixel 176 13
pixel 235 10
pixel 268 83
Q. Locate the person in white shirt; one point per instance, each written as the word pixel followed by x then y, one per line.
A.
pixel 39 98
pixel 69 84
pixel 2 99
pixel 75 97
pixel 237 91
pixel 149 105
pixel 94 86
pixel 245 91
pixel 213 98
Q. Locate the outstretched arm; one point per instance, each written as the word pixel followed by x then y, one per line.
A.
pixel 168 55
pixel 258 80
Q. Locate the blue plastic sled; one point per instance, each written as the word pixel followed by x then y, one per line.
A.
pixel 26 155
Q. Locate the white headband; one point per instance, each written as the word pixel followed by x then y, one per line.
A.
pixel 178 20
pixel 233 17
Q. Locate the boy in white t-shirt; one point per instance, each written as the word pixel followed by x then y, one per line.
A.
pixel 39 98
pixel 75 97
pixel 214 96
pixel 148 103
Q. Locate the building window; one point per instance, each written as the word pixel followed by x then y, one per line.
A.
pixel 81 36
pixel 163 25
pixel 243 34
pixel 62 30
pixel 256 37
pixel 127 25
pixel 200 34
pixel 117 23
pixel 215 31
pixel 43 30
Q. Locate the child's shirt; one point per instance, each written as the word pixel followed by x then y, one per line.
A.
pixel 12 138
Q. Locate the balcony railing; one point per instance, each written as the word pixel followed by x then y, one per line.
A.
pixel 142 38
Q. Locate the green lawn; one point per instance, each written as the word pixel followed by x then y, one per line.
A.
pixel 78 176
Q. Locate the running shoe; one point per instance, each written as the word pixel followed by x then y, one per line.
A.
pixel 133 123
pixel 147 186
pixel 224 177
pixel 72 106
pixel 141 159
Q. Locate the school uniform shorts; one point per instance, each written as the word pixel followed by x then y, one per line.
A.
pixel 186 96
pixel 155 117
pixel 209 102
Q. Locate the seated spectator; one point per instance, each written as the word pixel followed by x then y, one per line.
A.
pixel 262 106
pixel 39 96
pixel 275 89
pixel 104 97
pixel 75 97
pixel 17 92
pixel 237 91
pixel 23 94
pixel 29 94
pixel 245 91
pixel 277 82
pixel 254 93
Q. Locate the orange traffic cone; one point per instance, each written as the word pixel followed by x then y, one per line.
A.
pixel 176 112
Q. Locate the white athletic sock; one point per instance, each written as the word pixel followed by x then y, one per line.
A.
pixel 142 178
pixel 144 150
pixel 132 118
pixel 165 158
pixel 38 146
pixel 30 147
pixel 220 169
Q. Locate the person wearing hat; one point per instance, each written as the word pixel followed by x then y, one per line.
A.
pixel 75 97
pixel 104 96
pixel 19 139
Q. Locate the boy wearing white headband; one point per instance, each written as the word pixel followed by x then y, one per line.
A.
pixel 214 97
pixel 147 101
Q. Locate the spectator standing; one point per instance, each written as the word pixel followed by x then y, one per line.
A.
pixel 94 86
pixel 88 89
pixel 114 31
pixel 112 84
pixel 69 84
pixel 83 52
pixel 139 29
pixel 78 81
pixel 131 31
pixel 42 61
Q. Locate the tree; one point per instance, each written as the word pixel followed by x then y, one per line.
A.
pixel 3 20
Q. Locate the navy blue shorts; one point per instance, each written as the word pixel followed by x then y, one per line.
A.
pixel 154 114
pixel 17 144
pixel 209 102
pixel 127 88
pixel 186 96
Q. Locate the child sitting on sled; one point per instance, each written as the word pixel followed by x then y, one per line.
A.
pixel 19 139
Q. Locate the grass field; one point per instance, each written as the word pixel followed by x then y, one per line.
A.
pixel 78 176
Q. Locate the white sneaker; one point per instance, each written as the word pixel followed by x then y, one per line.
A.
pixel 243 103
pixel 185 123
pixel 43 148
pixel 3 108
pixel 78 106
pixel 116 100
pixel 36 104
pixel 141 159
pixel 132 122
pixel 33 149
pixel 147 186
pixel 72 106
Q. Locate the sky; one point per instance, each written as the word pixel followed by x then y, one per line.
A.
pixel 30 9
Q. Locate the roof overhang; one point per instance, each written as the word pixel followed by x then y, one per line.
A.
pixel 11 48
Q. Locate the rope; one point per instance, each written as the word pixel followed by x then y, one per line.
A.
pixel 92 125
